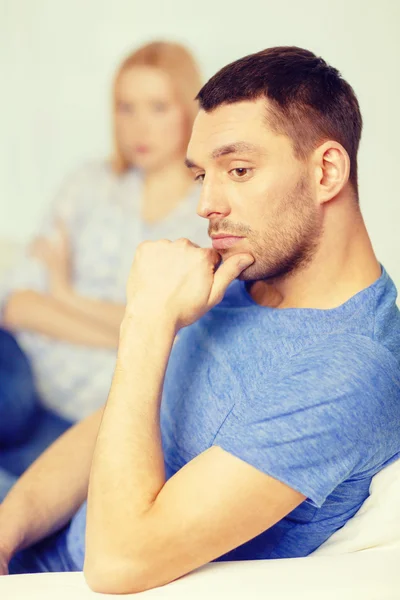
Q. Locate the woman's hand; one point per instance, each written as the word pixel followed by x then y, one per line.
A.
pixel 55 254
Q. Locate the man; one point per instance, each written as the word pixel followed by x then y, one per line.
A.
pixel 280 397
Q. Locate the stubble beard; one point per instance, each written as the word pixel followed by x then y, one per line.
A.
pixel 291 240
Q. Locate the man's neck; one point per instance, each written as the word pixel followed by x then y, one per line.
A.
pixel 343 265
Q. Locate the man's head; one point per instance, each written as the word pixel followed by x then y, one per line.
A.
pixel 275 140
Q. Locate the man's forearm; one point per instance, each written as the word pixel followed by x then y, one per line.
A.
pixel 128 466
pixel 34 311
pixel 51 490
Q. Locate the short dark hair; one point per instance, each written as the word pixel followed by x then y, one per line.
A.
pixel 309 101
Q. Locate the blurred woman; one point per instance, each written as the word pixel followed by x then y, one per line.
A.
pixel 65 300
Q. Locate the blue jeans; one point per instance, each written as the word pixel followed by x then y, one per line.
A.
pixel 48 556
pixel 26 427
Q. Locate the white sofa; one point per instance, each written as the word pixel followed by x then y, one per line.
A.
pixel 360 562
pixel 370 575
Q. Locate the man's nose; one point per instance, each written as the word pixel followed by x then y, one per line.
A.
pixel 212 202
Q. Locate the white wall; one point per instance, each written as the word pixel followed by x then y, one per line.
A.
pixel 57 58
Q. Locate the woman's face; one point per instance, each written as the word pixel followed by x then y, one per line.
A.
pixel 151 125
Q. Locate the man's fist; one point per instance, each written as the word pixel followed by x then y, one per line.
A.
pixel 180 280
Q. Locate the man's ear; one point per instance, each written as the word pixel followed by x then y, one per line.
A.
pixel 332 170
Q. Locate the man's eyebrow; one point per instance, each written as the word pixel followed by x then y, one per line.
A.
pixel 236 148
pixel 190 164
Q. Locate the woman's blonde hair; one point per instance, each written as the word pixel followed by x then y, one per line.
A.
pixel 179 64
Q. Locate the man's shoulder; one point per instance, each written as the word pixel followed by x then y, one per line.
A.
pixel 349 368
pixel 350 352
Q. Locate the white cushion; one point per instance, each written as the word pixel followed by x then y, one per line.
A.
pixel 377 523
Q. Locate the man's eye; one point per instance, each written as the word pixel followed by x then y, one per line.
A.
pixel 240 172
pixel 200 178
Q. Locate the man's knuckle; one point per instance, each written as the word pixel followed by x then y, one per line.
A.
pixel 183 241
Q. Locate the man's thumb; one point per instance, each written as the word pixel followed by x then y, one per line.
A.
pixel 244 261
pixel 226 273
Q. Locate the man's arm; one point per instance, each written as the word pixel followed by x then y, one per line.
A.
pixel 34 311
pixel 142 531
pixel 50 491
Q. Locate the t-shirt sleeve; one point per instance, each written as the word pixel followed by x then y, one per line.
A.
pixel 311 426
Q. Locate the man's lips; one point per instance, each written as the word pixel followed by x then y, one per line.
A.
pixel 221 242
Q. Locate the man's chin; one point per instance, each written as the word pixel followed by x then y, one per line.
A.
pixel 248 275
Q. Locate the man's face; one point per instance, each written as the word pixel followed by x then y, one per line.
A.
pixel 255 191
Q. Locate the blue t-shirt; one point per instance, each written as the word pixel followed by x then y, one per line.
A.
pixel 310 397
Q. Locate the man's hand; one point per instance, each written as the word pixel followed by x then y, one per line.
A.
pixel 55 254
pixel 4 560
pixel 180 279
